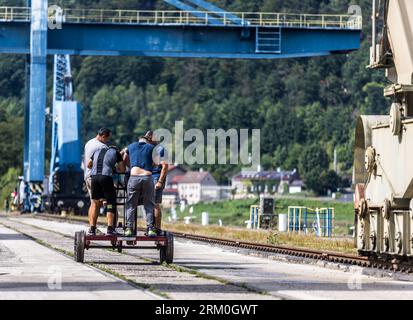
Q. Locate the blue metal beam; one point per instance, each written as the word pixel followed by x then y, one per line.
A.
pixel 26 119
pixel 38 52
pixel 185 7
pixel 177 41
pixel 68 135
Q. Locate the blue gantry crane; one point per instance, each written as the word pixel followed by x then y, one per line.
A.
pixel 64 189
pixel 195 29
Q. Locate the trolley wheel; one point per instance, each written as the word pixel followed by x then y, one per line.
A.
pixel 80 246
pixel 119 246
pixel 166 254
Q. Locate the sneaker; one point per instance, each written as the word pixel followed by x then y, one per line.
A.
pixel 91 231
pixel 129 232
pixel 159 232
pixel 111 231
pixel 152 232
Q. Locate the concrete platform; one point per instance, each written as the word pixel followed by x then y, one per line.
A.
pixel 29 270
pixel 171 283
pixel 279 279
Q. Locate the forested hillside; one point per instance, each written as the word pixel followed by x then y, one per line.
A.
pixel 304 107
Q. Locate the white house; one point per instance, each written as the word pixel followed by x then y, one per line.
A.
pixel 175 173
pixel 297 186
pixel 192 186
pixel 247 182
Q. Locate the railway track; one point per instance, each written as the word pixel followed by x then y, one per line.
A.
pixel 384 263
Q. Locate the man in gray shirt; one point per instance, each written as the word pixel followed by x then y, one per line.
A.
pixel 103 164
pixel 97 143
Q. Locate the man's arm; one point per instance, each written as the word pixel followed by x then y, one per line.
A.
pixel 125 156
pixel 121 167
pixel 164 172
pixel 90 162
pixel 120 162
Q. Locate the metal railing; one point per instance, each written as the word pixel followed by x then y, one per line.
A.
pixel 14 14
pixel 192 18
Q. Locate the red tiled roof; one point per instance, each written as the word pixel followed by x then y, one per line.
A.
pixel 173 167
pixel 175 180
pixel 194 177
pixel 266 175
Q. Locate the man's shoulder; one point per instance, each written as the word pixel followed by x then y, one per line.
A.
pixel 113 151
pixel 91 141
pixel 150 146
pixel 94 142
pixel 145 145
pixel 133 144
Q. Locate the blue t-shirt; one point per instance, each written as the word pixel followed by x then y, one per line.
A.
pixel 140 155
pixel 156 171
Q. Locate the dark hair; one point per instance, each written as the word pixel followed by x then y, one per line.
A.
pixel 148 135
pixel 104 132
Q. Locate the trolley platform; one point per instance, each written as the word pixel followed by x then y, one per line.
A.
pixel 164 243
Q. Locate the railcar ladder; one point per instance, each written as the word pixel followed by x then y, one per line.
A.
pixel 268 40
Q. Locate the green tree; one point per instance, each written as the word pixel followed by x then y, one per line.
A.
pixel 313 164
pixel 8 182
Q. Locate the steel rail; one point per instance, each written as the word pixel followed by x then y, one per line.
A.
pixel 384 263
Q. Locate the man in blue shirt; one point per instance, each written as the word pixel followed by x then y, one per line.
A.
pixel 159 174
pixel 141 159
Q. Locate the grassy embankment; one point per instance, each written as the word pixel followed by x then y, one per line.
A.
pixel 235 213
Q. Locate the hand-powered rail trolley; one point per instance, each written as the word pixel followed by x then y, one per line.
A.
pixel 164 243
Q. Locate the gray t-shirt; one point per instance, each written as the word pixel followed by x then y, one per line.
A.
pixel 90 148
pixel 104 161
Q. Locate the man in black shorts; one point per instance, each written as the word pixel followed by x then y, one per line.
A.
pixel 102 164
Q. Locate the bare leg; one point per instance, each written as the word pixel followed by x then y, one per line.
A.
pixel 111 219
pixel 158 216
pixel 94 212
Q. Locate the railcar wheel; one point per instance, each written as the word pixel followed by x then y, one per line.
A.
pixel 370 160
pixel 386 209
pixel 363 208
pixel 166 254
pixel 80 246
pixel 119 246
pixel 396 119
